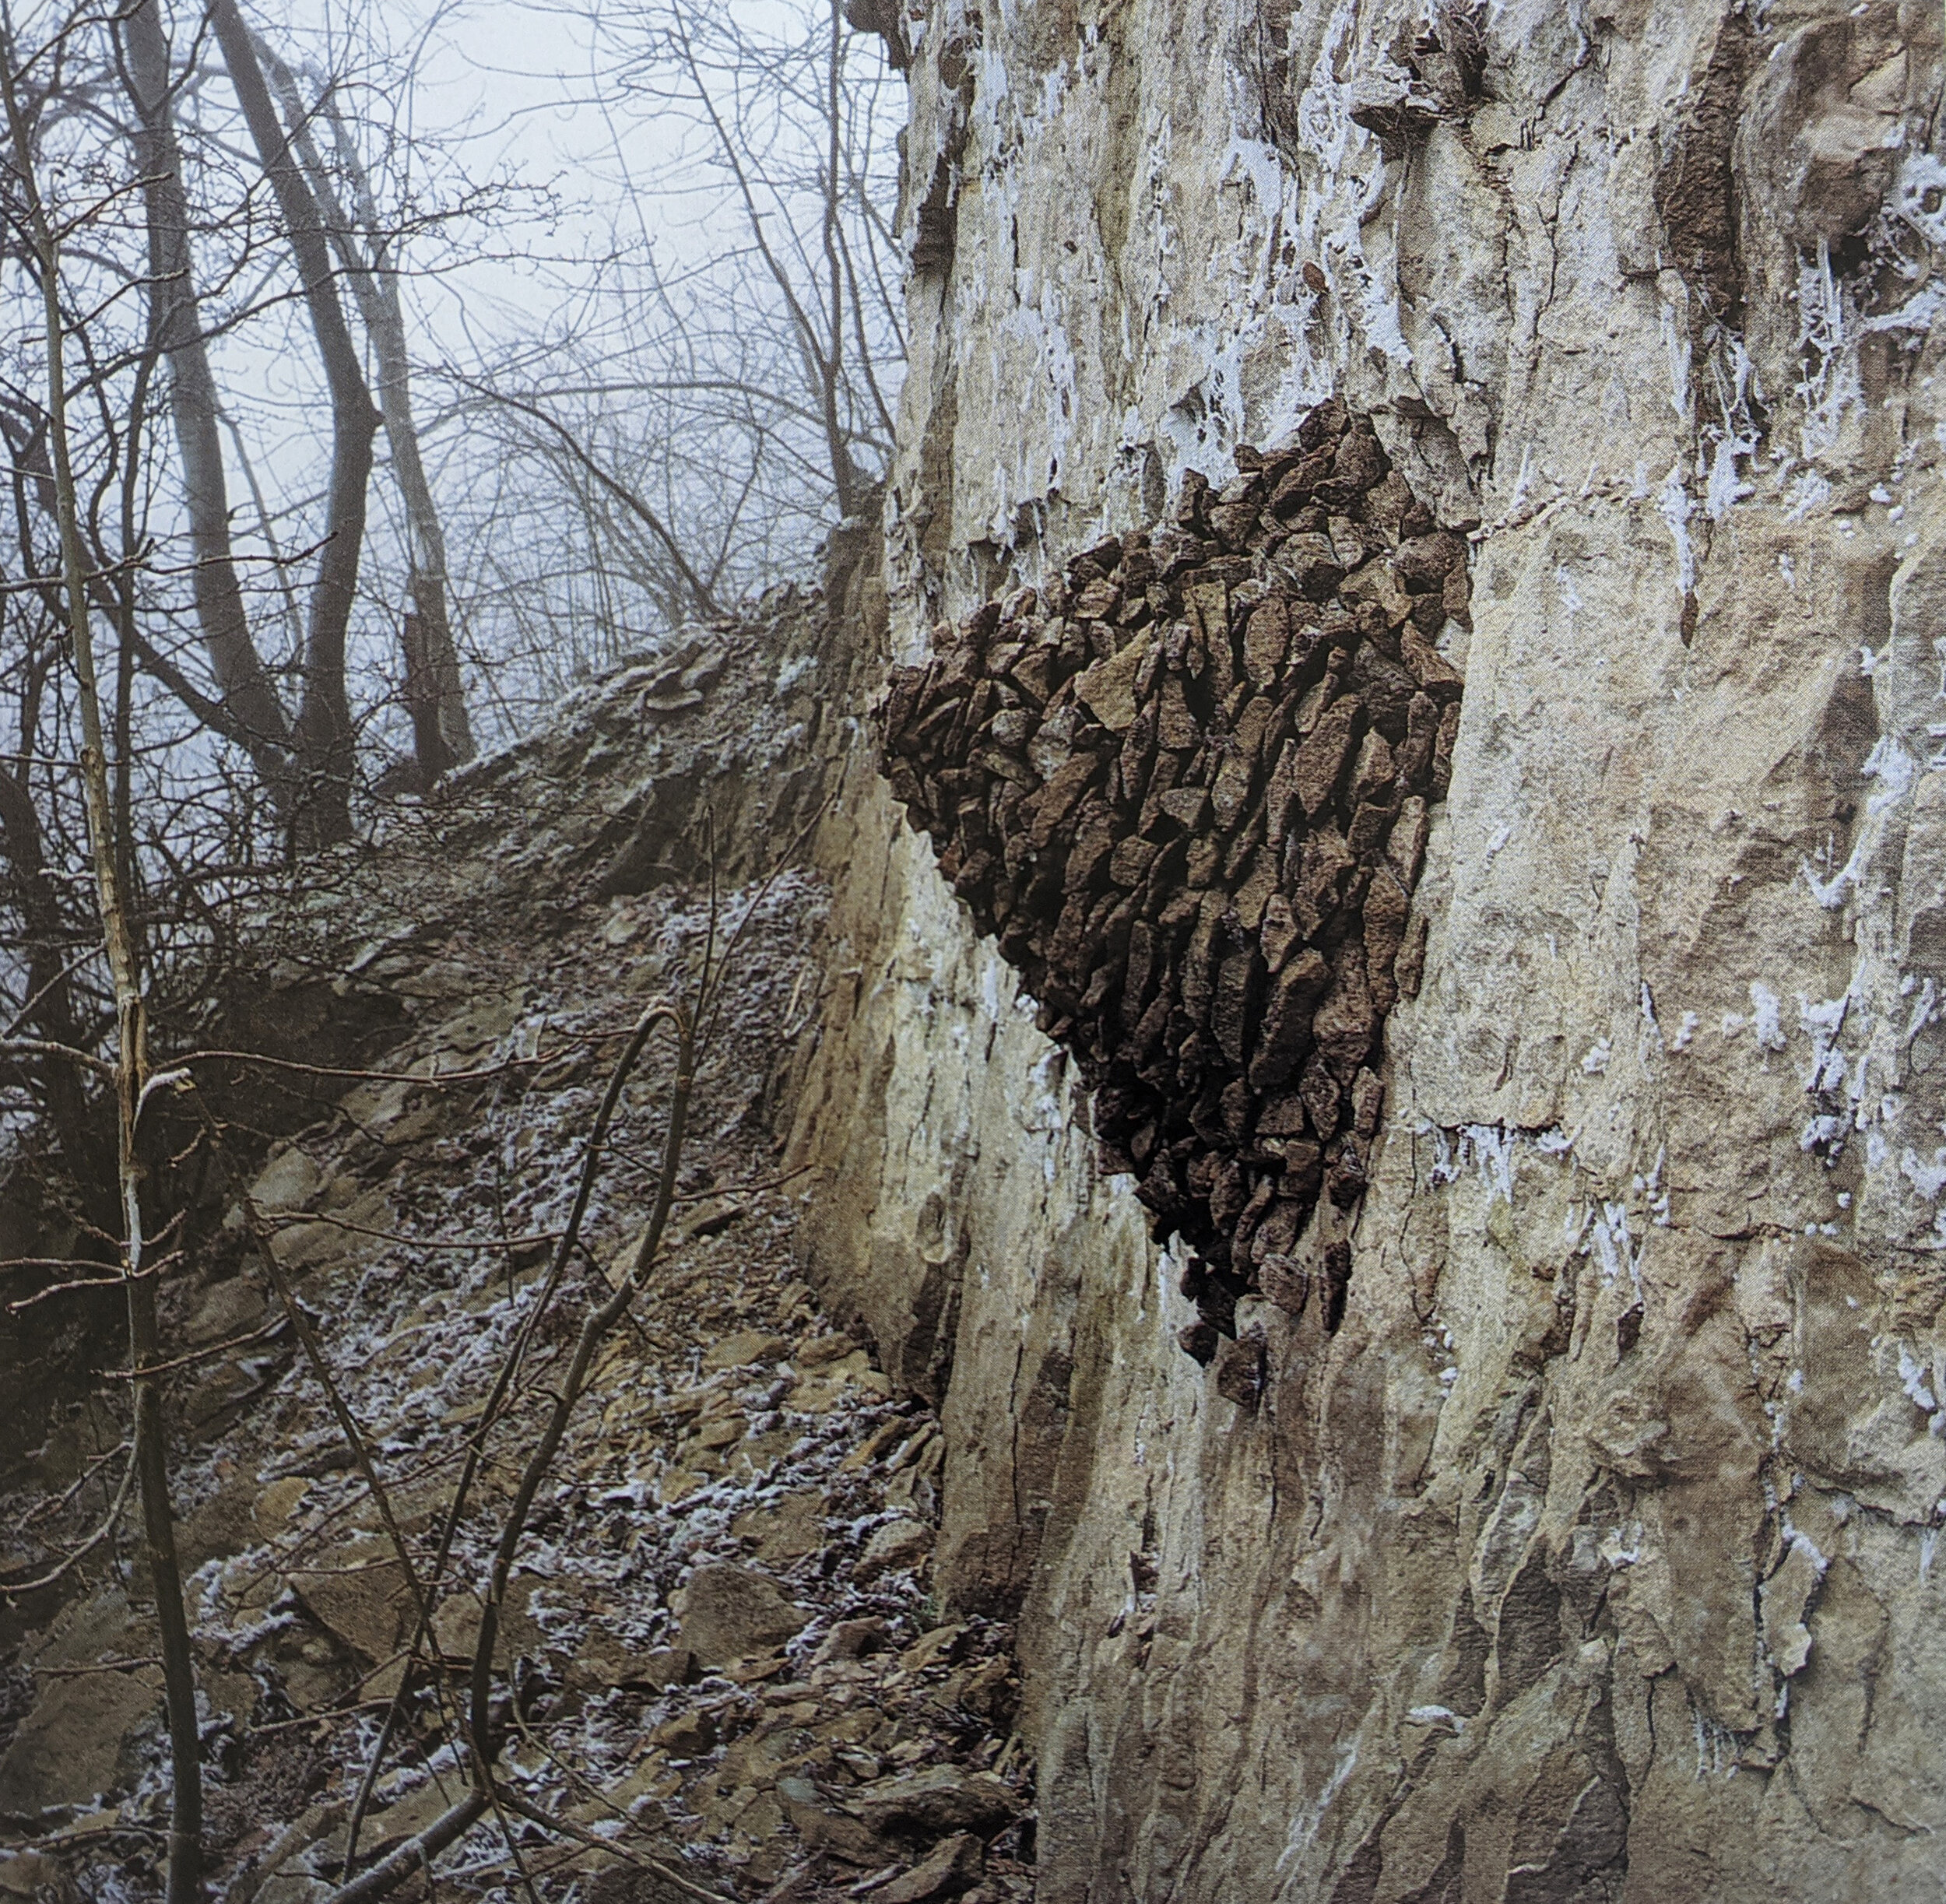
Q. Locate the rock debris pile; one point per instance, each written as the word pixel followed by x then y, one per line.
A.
pixel 1187 786
pixel 727 1674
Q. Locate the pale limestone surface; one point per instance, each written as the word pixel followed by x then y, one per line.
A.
pixel 1593 1558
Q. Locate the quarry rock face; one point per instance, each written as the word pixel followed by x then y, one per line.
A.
pixel 1582 1547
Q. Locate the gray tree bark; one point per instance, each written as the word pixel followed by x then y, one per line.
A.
pixel 324 732
pixel 431 659
pixel 176 325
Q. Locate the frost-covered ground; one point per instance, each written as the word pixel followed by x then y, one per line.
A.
pixel 720 1656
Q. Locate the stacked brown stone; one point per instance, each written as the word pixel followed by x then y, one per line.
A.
pixel 1187 787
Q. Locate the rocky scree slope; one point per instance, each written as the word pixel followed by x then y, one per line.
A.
pixel 722 1665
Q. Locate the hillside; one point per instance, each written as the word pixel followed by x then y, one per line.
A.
pixel 1309 1265
pixel 726 1653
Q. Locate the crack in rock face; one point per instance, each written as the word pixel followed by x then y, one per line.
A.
pixel 1187 786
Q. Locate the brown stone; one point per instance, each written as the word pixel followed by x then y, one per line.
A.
pixel 1108 689
pixel 1266 641
pixel 1409 968
pixel 1282 1116
pixel 1429 668
pixel 1424 562
pixel 1236 775
pixel 729 1612
pixel 687 1735
pixel 1129 865
pixel 899 1546
pixel 1386 910
pixel 1239 1371
pixel 1321 757
pixel 1357 465
pixel 1188 806
pixel 1277 932
pixel 1344 1177
pixel 934 1801
pixel 1230 1010
pixel 1370 822
pixel 1386 690
pixel 1059 797
pixel 1176 727
pixel 1097 600
pixel 1286 1035
pixel 1344 1023
pixel 824 1827
pixel 1096 830
pixel 1326 860
pixel 1284 1281
pixel 1442 751
pixel 1371 777
pixel 1318 1089
pixel 1233 522
pixel 1282 809
pixel 1376 583
pixel 1312 564
pixel 955 1865
pixel 1406 843
pixel 1368 1103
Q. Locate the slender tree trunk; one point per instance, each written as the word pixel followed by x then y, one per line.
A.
pixel 50 1009
pixel 144 1349
pixel 324 736
pixel 176 328
pixel 449 740
pixel 845 483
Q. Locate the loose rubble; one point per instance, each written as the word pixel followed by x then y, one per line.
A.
pixel 1187 786
pixel 723 1673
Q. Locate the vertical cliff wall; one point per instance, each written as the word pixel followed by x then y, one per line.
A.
pixel 1591 1555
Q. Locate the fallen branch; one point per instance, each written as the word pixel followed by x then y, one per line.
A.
pixel 479 1075
pixel 597 1325
pixel 265 1238
pixel 416 1853
pixel 503 1384
pixel 667 1872
pixel 297 1219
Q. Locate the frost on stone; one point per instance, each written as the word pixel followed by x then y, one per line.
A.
pixel 1764 1016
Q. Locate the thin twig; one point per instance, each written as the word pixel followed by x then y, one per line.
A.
pixel 668 1873
pixel 503 1384
pixel 594 1328
pixel 297 1219
pixel 274 1326
pixel 265 1239
pixel 13 1589
pixel 342 1070
pixel 394 1869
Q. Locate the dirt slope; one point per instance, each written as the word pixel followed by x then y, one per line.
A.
pixel 723 1659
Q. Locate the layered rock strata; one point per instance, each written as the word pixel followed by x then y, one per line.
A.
pixel 1594 1556
pixel 1186 784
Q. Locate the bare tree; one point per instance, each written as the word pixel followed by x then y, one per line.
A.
pixel 323 729
pixel 132 1083
pixel 722 393
pixel 363 250
pixel 176 326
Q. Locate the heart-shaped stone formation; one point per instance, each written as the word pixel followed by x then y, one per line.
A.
pixel 1186 785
